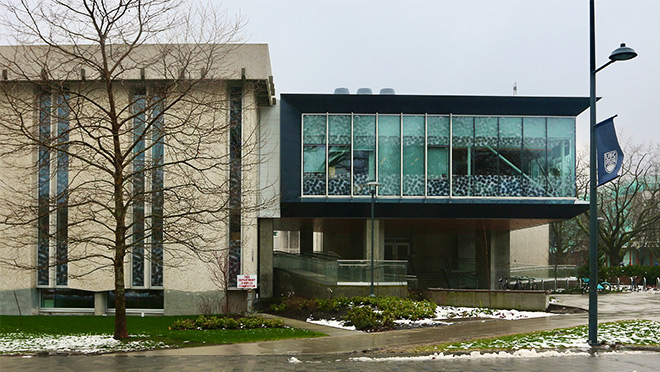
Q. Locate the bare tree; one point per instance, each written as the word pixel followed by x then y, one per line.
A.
pixel 628 207
pixel 128 127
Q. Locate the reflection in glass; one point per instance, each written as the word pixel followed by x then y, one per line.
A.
pixel 314 133
pixel 438 155
pixel 364 153
pixel 389 154
pixel 413 155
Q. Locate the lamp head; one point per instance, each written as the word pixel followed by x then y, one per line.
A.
pixel 623 53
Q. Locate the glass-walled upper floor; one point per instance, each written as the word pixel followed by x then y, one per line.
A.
pixel 438 156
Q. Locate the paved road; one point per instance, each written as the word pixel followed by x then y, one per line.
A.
pixel 642 362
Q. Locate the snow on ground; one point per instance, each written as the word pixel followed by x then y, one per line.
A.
pixel 637 332
pixel 449 312
pixel 19 343
pixel 477 355
pixel 331 323
pixel 443 313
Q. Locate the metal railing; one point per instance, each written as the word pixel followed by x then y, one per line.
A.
pixel 545 272
pixel 330 270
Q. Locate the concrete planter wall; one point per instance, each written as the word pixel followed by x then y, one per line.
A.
pixel 495 299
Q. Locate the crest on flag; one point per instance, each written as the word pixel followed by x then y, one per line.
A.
pixel 609 161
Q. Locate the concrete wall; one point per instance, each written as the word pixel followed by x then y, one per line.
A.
pixel 519 300
pixel 530 246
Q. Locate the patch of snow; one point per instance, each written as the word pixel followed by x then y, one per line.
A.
pixel 294 360
pixel 421 322
pixel 20 343
pixel 331 323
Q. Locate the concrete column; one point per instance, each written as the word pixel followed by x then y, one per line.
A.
pixel 265 280
pixel 100 303
pixel 499 256
pixel 467 262
pixel 306 240
pixel 379 240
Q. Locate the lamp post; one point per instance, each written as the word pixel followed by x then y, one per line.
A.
pixel 622 53
pixel 373 186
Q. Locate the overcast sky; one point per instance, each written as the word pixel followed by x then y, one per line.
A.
pixel 467 47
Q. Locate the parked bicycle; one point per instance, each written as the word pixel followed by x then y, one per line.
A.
pixel 518 282
pixel 604 286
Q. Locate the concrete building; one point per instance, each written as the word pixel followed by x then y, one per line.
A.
pixel 173 102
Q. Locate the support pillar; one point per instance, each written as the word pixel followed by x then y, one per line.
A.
pixel 379 240
pixel 500 255
pixel 265 280
pixel 306 240
pixel 100 303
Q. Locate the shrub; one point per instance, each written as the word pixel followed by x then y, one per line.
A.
pixel 365 318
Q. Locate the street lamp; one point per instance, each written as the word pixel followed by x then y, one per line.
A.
pixel 623 53
pixel 373 186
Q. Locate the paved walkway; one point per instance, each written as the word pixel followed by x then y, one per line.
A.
pixel 611 307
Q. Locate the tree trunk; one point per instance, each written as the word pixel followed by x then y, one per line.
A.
pixel 121 331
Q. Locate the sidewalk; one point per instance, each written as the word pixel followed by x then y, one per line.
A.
pixel 612 307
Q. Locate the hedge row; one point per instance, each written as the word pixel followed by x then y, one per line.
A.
pixel 214 322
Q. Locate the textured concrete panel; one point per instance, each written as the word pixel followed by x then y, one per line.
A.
pixel 26 299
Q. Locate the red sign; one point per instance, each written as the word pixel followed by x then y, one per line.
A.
pixel 246 281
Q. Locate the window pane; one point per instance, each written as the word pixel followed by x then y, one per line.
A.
pixel 534 157
pixel 485 178
pixel 67 298
pixel 314 170
pixel 43 224
pixel 364 150
pixel 462 141
pixel 339 129
pixel 438 170
pixel 438 130
pixel 314 129
pixel 510 162
pixel 413 155
pixel 389 155
pixel 561 157
pixel 339 170
pixel 438 155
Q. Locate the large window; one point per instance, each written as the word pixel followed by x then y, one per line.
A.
pixel 438 155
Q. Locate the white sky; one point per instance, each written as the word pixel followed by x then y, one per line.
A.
pixel 471 47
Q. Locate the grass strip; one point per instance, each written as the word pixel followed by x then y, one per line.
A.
pixel 628 332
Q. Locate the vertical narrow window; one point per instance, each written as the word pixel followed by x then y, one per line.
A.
pixel 389 154
pixel 561 157
pixel 534 156
pixel 157 184
pixel 364 153
pixel 485 180
pixel 62 114
pixel 339 155
pixel 139 106
pixel 413 155
pixel 462 144
pixel 44 189
pixel 438 155
pixel 235 145
pixel 510 162
pixel 314 142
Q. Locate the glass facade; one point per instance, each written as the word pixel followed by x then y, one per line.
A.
pixel 438 155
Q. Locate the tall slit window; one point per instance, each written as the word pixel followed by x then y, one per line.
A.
pixel 157 199
pixel 43 236
pixel 62 210
pixel 235 181
pixel 139 106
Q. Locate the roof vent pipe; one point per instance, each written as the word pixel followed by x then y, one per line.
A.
pixel 342 91
pixel 387 91
pixel 364 91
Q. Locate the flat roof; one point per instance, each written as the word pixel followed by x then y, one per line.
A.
pixel 419 104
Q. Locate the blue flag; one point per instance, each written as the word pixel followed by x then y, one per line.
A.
pixel 608 151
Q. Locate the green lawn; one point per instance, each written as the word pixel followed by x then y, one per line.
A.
pixel 151 328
